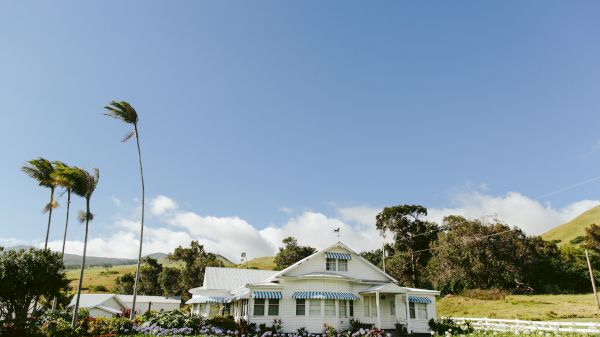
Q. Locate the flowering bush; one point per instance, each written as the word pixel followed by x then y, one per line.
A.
pixel 446 326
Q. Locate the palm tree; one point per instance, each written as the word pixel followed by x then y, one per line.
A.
pixel 41 170
pixel 83 184
pixel 125 112
pixel 63 178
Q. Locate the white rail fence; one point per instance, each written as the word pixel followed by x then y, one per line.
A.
pixel 520 326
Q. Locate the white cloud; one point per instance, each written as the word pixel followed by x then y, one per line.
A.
pixel 231 235
pixel 514 209
pixel 286 210
pixel 116 201
pixel 161 205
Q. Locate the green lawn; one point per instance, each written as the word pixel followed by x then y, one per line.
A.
pixel 527 307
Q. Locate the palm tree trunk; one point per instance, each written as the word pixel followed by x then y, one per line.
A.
pixel 49 217
pixel 137 271
pixel 62 253
pixel 87 220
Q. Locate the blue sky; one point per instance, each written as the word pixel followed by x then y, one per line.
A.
pixel 267 111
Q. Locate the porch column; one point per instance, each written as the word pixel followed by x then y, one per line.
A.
pixel 407 313
pixel 378 309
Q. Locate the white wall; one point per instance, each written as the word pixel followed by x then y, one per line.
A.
pixel 95 312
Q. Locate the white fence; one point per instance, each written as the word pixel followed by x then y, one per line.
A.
pixel 521 326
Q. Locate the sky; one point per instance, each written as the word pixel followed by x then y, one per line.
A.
pixel 264 119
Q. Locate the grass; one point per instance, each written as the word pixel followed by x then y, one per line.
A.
pixel 264 263
pixel 526 307
pixel 95 277
pixel 574 228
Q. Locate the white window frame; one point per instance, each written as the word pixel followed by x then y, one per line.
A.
pixel 264 306
pixel 303 301
pixel 330 264
pixel 325 306
pixel 310 306
pixel 345 264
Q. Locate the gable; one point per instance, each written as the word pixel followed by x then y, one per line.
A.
pixel 358 268
pixel 113 304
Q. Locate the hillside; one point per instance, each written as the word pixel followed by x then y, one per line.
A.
pixel 264 263
pixel 569 231
pixel 74 260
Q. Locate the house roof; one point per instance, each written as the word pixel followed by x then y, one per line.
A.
pixel 107 309
pixel 336 245
pixel 92 300
pixel 233 278
pixel 147 299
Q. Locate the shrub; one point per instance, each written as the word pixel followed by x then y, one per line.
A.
pixel 172 319
pixel 446 325
pixel 401 330
pixel 98 288
pixel 223 322
pixel 484 294
pixel 356 325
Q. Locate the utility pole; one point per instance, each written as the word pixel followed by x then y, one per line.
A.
pixel 587 257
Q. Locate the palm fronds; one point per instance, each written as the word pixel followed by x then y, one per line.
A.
pixel 83 216
pixel 41 170
pixel 123 111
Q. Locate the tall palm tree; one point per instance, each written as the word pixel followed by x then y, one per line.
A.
pixel 63 178
pixel 125 112
pixel 83 184
pixel 41 170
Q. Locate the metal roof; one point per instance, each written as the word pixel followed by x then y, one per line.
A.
pixel 91 300
pixel 147 299
pixel 233 278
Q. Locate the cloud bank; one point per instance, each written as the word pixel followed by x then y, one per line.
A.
pixel 232 235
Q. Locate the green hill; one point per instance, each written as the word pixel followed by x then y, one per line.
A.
pixel 264 263
pixel 575 228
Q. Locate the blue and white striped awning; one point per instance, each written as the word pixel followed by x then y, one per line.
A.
pixel 419 299
pixel 206 299
pixel 267 294
pixel 324 295
pixel 338 256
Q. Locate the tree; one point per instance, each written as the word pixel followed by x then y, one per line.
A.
pixel 125 112
pixel 592 239
pixel 412 238
pixel 195 260
pixel 149 274
pixel 291 253
pixel 24 276
pixel 170 282
pixel 124 284
pixel 63 179
pixel 84 185
pixel 41 170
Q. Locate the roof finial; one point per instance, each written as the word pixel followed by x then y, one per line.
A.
pixel 337 231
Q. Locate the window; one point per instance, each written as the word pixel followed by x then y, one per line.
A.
pixel 330 264
pixel 367 311
pixel 329 308
pixel 421 311
pixel 351 305
pixel 273 307
pixel 342 310
pixel 300 307
pixel 315 307
pixel 259 307
pixel 393 307
pixel 411 309
pixel 342 265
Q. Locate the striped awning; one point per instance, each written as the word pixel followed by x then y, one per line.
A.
pixel 338 256
pixel 206 299
pixel 419 299
pixel 324 295
pixel 267 294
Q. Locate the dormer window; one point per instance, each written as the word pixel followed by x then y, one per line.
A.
pixel 330 264
pixel 342 265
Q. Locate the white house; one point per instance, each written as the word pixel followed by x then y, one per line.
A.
pixel 108 305
pixel 331 286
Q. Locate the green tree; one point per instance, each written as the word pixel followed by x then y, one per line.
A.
pixel 124 284
pixel 195 260
pixel 412 237
pixel 592 238
pixel 170 282
pixel 149 274
pixel 291 253
pixel 24 276
pixel 41 170
pixel 125 112
pixel 84 185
